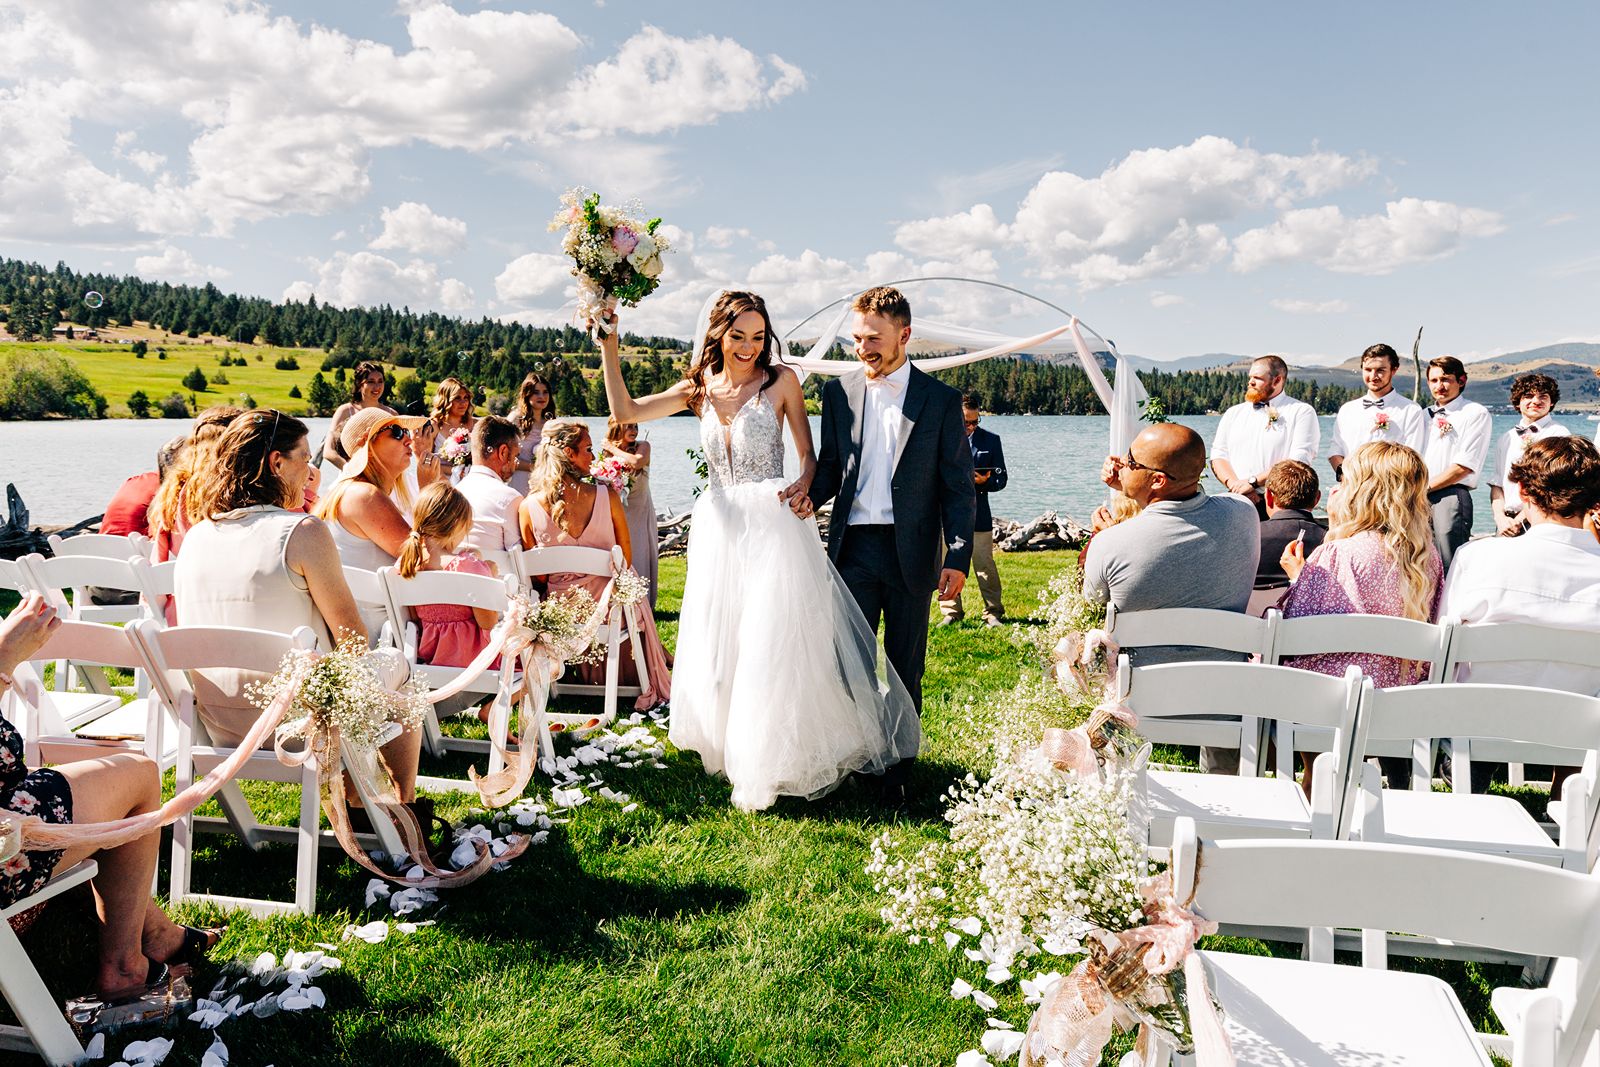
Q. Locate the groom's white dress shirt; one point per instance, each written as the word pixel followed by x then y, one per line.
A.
pixel 1357 423
pixel 1251 439
pixel 883 401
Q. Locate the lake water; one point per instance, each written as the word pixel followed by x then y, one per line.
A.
pixel 67 471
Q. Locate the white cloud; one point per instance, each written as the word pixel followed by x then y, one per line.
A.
pixel 416 228
pixel 532 277
pixel 366 279
pixel 968 237
pixel 1409 231
pixel 284 116
pixel 173 264
pixel 724 236
pixel 122 148
pixel 1561 219
pixel 1165 300
pixel 1311 307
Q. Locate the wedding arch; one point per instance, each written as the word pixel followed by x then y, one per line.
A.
pixel 1121 401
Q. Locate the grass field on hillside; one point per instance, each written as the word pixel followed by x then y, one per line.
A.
pixel 682 932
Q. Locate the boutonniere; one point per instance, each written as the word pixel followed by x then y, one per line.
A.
pixel 1442 424
pixel 1380 422
pixel 1272 417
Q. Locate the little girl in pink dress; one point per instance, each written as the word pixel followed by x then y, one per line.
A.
pixel 451 635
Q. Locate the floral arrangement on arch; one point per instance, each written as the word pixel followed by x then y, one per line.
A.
pixel 616 254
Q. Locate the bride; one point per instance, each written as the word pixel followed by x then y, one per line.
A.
pixel 777 683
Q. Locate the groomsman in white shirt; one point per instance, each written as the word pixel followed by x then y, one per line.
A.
pixel 1381 415
pixel 495 530
pixel 1535 396
pixel 1457 434
pixel 1270 425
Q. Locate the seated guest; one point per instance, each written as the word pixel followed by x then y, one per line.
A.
pixel 451 635
pixel 255 562
pixel 137 940
pixel 1378 559
pixel 367 386
pixel 171 513
pixel 129 509
pixel 1184 549
pixel 496 531
pixel 1535 397
pixel 562 509
pixel 367 525
pixel 1549 576
pixel 1292 490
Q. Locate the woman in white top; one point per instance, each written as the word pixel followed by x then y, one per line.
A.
pixel 368 527
pixel 253 562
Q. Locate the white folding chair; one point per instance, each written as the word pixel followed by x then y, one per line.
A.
pixel 534 563
pixel 1223 631
pixel 112 546
pixel 1479 822
pixel 44 1031
pixel 54 576
pixel 12 577
pixel 1239 805
pixel 1515 642
pixel 1384 635
pixel 466 590
pixel 53 734
pixel 372 596
pixel 1312 1012
pixel 171 654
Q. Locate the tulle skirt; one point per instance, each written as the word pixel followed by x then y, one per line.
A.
pixel 779 684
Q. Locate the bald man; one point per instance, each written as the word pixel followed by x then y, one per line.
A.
pixel 1183 550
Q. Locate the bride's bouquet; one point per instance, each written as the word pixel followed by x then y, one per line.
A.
pixel 615 252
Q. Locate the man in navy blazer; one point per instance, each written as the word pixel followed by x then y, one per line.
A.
pixel 988 476
pixel 893 459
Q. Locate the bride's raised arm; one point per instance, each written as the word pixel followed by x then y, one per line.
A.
pixel 792 403
pixel 625 408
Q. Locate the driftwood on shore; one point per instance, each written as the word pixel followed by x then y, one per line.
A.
pixel 1047 532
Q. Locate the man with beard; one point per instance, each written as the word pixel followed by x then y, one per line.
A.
pixel 1269 426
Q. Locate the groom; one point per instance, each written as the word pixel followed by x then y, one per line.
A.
pixel 894 458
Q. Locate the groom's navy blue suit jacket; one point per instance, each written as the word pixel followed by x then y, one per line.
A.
pixel 935 502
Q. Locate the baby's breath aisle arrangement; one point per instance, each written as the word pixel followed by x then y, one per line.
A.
pixel 337 710
pixel 616 253
pixel 1046 856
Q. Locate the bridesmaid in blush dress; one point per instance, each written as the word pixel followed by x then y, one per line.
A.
pixel 559 503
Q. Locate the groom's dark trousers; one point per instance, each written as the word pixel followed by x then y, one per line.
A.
pixel 870 567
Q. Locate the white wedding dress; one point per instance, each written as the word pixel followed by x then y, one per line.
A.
pixel 778 683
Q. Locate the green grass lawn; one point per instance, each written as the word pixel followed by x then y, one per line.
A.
pixel 683 932
pixel 116 372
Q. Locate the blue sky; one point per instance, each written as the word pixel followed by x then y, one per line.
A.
pixel 1190 179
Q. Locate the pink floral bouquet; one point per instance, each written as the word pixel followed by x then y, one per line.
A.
pixel 457 449
pixel 616 254
pixel 611 473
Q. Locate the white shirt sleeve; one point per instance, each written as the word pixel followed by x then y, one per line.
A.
pixel 1307 433
pixel 1497 473
pixel 510 526
pixel 1411 431
pixel 1473 447
pixel 1338 447
pixel 1219 445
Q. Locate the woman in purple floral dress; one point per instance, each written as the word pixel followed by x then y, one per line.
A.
pixel 1379 559
pixel 137 940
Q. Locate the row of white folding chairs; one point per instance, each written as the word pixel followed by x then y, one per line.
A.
pixel 1346 799
pixel 1311 1011
pixel 1442 647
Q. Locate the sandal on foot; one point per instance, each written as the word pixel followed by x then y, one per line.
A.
pixel 197 945
pixel 164 993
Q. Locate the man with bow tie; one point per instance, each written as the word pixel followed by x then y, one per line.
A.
pixel 1457 435
pixel 1535 397
pixel 1269 426
pixel 1381 415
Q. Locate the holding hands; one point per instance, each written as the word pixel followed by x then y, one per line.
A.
pixel 797 494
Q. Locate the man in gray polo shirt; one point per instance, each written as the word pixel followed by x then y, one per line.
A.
pixel 1183 550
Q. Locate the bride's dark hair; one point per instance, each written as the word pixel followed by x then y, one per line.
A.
pixel 724 314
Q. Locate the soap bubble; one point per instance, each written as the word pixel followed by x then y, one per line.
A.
pixel 463 356
pixel 93 299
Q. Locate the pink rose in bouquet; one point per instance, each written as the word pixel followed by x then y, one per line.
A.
pixel 457 449
pixel 611 473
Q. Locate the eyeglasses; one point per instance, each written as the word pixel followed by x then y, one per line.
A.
pixel 272 435
pixel 399 433
pixel 1133 464
pixel 970 423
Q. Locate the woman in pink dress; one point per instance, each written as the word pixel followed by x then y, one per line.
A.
pixel 1379 559
pixel 560 502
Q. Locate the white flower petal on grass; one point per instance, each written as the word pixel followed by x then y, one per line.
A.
pixel 1036 990
pixel 376 888
pixel 298 999
pixel 373 933
pixel 978 955
pixel 997 974
pixel 265 1008
pixel 973 1058
pixel 970 926
pixel 951 939
pixel 208 1014
pixel 984 1000
pixel 960 989
pixel 630 807
pixel 216 1055
pixel 147 1053
pixel 411 928
pixel 541 837
pixel 464 854
pixel 1002 1044
pixel 264 966
pixel 96 1048
pixel 998 1024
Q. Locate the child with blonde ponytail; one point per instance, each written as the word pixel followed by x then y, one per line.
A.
pixel 451 635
